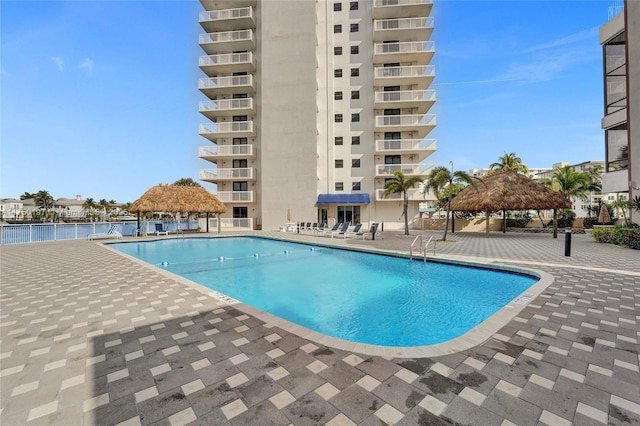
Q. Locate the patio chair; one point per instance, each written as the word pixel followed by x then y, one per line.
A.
pixel 353 231
pixel 320 229
pixel 342 230
pixel 113 232
pixel 160 229
pixel 371 232
pixel 335 228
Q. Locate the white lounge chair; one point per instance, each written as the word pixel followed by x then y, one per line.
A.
pixel 113 232
pixel 335 227
pixel 371 232
pixel 342 230
pixel 160 229
pixel 353 232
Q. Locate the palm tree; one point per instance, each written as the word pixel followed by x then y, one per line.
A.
pixel 105 206
pixel 399 183
pixel 440 178
pixel 595 182
pixel 27 195
pixel 623 205
pixel 186 182
pixel 89 204
pixel 510 162
pixel 569 182
pixel 44 200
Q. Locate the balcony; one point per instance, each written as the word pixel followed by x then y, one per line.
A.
pixel 226 63
pixel 215 175
pixel 419 123
pixel 408 51
pixel 235 196
pixel 387 170
pixel 419 100
pixel 215 153
pixel 227 86
pixel 414 194
pixel 226 108
pixel 228 129
pixel 384 9
pixel 404 29
pixel 227 19
pixel 227 42
pixel 417 76
pixel 226 4
pixel 420 147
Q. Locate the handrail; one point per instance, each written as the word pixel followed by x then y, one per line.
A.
pixel 425 248
pixel 418 237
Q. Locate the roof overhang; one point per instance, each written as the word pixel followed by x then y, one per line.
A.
pixel 343 199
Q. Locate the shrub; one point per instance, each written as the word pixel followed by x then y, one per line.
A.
pixel 519 222
pixel 588 222
pixel 629 237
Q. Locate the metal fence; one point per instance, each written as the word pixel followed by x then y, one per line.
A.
pixel 40 232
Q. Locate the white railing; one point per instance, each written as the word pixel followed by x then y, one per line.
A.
pixel 228 223
pixel 217 15
pixel 40 232
pixel 225 59
pixel 413 194
pixel 406 120
pixel 225 150
pixel 404 47
pixel 407 169
pixel 402 24
pixel 382 3
pixel 404 144
pixel 217 82
pixel 407 71
pixel 226 104
pixel 406 96
pixel 226 36
pixel 228 127
pixel 235 196
pixel 233 173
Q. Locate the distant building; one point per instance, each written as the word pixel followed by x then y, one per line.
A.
pixel 534 173
pixel 620 38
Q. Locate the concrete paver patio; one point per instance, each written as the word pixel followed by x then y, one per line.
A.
pixel 88 336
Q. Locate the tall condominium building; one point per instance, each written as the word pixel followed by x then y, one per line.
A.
pixel 620 38
pixel 313 105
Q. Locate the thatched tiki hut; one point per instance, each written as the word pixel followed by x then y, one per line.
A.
pixel 179 199
pixel 508 190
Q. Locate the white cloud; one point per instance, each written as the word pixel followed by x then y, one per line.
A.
pixel 87 64
pixel 58 61
pixel 590 34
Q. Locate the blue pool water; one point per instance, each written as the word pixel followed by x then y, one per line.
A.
pixel 361 297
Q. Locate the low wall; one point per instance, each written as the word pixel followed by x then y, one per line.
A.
pixel 466 225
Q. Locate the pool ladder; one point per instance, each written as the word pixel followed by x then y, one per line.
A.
pixel 423 249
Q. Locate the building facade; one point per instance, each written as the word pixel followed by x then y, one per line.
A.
pixel 620 38
pixel 313 105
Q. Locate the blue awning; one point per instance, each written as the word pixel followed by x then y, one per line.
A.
pixel 343 199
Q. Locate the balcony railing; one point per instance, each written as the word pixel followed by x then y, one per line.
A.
pixel 235 196
pixel 403 50
pixel 406 120
pixel 383 3
pixel 226 59
pixel 405 96
pixel 405 145
pixel 414 194
pixel 227 19
pixel 405 72
pixel 229 85
pixel 407 169
pixel 226 105
pixel 233 173
pixel 401 8
pixel 228 127
pixel 227 40
pixel 217 151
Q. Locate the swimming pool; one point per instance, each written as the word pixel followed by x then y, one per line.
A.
pixel 354 296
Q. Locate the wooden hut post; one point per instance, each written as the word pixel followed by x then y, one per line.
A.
pixel 555 223
pixel 218 215
pixel 207 222
pixel 504 221
pixel 486 230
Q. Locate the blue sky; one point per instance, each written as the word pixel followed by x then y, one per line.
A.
pixel 100 98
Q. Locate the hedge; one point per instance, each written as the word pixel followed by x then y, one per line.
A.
pixel 629 237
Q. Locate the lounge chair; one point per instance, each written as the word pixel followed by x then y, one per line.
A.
pixel 313 228
pixel 321 227
pixel 334 229
pixel 371 232
pixel 342 230
pixel 160 229
pixel 353 231
pixel 113 232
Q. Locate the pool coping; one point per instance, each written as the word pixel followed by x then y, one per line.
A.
pixel 471 338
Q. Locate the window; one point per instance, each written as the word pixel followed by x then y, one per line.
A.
pixel 239 141
pixel 355 118
pixel 337 118
pixel 337 29
pixel 241 186
pixel 355 140
pixel 617 148
pixel 355 28
pixel 339 164
pixel 338 140
pixel 337 96
pixel 355 50
pixel 339 186
pixel 355 94
pixel 355 163
pixel 353 5
pixel 240 212
pixel 392 159
pixel 355 186
pixel 337 7
pixel 349 213
pixel 337 50
pixel 337 73
pixel 355 72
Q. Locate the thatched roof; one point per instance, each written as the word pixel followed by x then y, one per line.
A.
pixel 175 198
pixel 508 190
